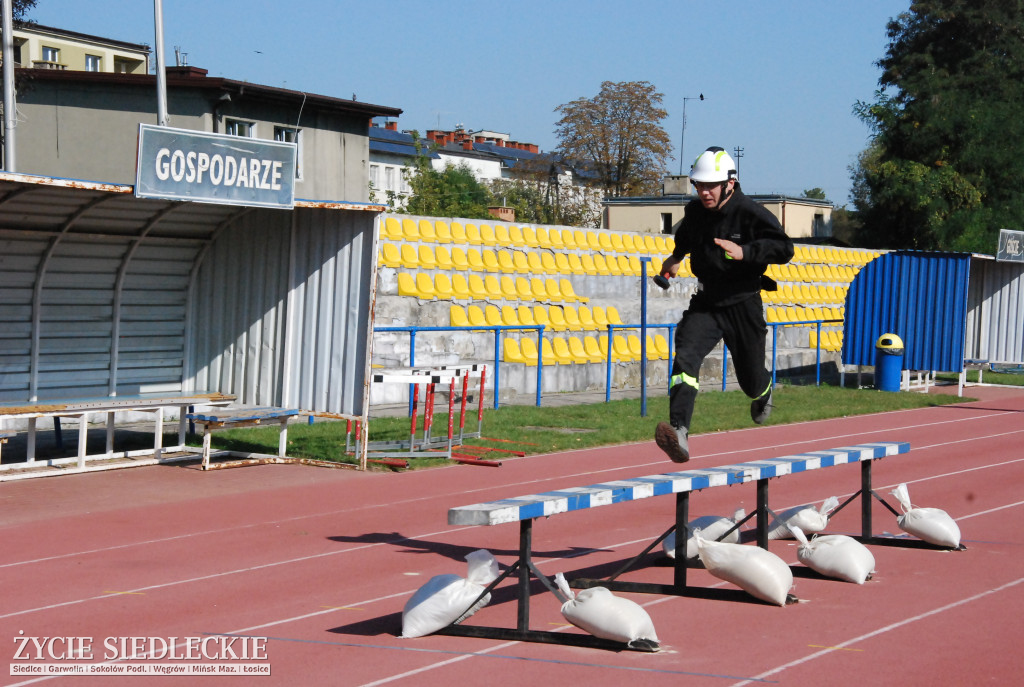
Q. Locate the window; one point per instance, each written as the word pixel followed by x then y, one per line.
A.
pixel 93 63
pixel 666 223
pixel 375 176
pixel 51 55
pixel 389 179
pixel 237 127
pixel 291 135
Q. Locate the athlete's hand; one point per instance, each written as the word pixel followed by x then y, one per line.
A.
pixel 733 251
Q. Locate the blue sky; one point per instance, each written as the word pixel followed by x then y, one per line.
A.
pixel 780 79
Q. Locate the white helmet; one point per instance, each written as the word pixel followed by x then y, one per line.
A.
pixel 714 164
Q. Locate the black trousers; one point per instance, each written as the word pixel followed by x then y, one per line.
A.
pixel 743 329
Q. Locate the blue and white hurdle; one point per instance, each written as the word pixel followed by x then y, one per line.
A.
pixel 525 509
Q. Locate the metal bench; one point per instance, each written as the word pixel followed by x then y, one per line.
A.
pixel 525 509
pixel 244 417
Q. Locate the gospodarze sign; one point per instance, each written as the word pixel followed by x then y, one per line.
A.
pixel 179 164
pixel 1011 246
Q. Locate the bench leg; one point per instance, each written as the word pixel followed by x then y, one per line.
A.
pixel 207 437
pixel 158 434
pixel 110 433
pixel 682 518
pixel 762 513
pixel 83 438
pixel 30 451
pixel 282 438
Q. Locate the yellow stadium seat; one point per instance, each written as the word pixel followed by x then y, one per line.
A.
pixel 443 258
pixel 409 230
pixel 602 265
pixel 533 261
pixel 540 292
pixel 515 235
pixel 562 263
pixel 443 231
pixel 600 316
pixel 652 349
pixel 475 314
pixel 636 268
pixel 569 293
pixel 487 236
pixel 586 318
pixel 460 287
pixel 569 239
pixel 528 347
pixel 557 319
pixel 661 343
pixel 520 262
pixel 459 259
pixel 540 316
pixel 530 237
pixel 589 266
pixel 477 290
pixel 613 266
pixel 493 287
pixel 392 229
pixel 501 235
pixel 407 285
pixel 562 353
pixel 651 244
pixel 506 263
pixel 390 256
pixel 523 290
pixel 812 339
pixel 555 237
pixel 426 229
pixel 551 288
pixel 572 319
pixel 579 351
pixel 408 256
pixel 629 243
pixel 508 288
pixel 425 285
pixel 593 349
pixel 620 349
pixel 459 233
pixel 525 315
pixel 475 259
pixel 613 315
pixel 576 265
pixel 616 241
pixel 490 259
pixel 548 263
pixel 425 254
pixel 473 235
pixel 593 241
pixel 543 238
pixel 443 287
pixel 492 314
pixel 511 353
pixel 770 315
pixel 458 317
pixel 635 346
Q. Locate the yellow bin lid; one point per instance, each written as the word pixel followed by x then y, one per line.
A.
pixel 886 341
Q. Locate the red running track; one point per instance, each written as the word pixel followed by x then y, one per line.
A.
pixel 322 561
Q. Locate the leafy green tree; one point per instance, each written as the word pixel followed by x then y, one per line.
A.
pixel 451 192
pixel 619 130
pixel 815 193
pixel 945 169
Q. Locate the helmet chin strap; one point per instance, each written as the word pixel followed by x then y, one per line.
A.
pixel 726 195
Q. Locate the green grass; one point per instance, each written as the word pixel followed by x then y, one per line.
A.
pixel 549 429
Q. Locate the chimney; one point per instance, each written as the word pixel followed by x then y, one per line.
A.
pixel 391 126
pixel 467 145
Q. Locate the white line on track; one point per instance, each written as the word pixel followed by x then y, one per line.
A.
pixel 880 631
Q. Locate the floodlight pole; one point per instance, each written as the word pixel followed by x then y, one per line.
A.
pixel 161 71
pixel 10 109
pixel 682 142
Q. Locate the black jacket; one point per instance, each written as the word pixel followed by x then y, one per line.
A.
pixel 742 221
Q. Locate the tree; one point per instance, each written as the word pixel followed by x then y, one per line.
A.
pixel 946 163
pixel 451 192
pixel 815 193
pixel 619 132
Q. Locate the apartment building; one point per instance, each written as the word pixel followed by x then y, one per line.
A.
pixel 45 47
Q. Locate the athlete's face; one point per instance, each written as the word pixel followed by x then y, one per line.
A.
pixel 713 195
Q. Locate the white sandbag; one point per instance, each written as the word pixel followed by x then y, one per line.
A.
pixel 444 599
pixel 932 525
pixel 602 614
pixel 711 527
pixel 757 571
pixel 808 518
pixel 835 555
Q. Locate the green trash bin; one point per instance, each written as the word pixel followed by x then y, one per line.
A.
pixel 888 362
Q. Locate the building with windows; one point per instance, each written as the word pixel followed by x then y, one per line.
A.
pixel 84 125
pixel 44 47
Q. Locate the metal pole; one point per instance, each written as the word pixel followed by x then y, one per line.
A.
pixel 161 71
pixel 10 109
pixel 682 142
pixel 643 335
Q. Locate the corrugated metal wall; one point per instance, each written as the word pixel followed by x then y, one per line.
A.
pixel 285 322
pixel 91 315
pixel 921 297
pixel 995 320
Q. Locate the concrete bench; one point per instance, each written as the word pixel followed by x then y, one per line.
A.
pixel 525 509
pixel 82 408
